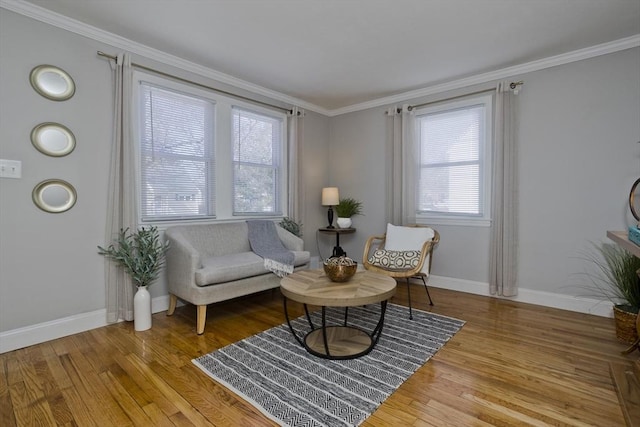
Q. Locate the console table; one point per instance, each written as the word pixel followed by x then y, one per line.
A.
pixel 337 250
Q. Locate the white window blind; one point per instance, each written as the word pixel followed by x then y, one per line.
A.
pixel 176 155
pixel 452 171
pixel 257 162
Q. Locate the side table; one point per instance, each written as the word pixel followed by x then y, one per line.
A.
pixel 337 250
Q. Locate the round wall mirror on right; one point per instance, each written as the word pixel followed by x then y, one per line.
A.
pixel 54 195
pixel 633 200
pixel 52 82
pixel 53 139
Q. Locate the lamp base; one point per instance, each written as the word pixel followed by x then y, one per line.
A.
pixel 330 217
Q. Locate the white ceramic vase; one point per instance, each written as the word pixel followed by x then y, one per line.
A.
pixel 142 309
pixel 344 222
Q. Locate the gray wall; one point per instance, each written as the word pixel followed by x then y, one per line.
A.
pixel 49 266
pixel 579 155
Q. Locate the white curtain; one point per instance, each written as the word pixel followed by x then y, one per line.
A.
pixel 403 156
pixel 295 190
pixel 121 205
pixel 503 268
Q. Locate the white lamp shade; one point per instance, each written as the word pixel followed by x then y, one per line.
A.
pixel 330 196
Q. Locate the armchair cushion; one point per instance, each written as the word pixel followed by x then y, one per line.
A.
pixel 401 238
pixel 395 260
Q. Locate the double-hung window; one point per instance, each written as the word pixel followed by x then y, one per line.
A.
pixel 203 156
pixel 453 181
pixel 257 163
pixel 177 167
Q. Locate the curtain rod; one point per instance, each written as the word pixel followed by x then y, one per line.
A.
pixel 220 91
pixel 512 86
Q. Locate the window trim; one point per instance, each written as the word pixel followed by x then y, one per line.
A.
pixel 483 220
pixel 223 151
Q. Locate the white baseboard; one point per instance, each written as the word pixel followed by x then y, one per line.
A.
pixel 47 331
pixel 530 296
pixel 35 334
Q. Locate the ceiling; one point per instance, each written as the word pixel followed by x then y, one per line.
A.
pixel 338 53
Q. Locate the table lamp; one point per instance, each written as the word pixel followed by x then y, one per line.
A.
pixel 331 198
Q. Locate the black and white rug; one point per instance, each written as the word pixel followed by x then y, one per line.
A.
pixel 275 374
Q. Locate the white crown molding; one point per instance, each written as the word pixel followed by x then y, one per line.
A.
pixel 61 21
pixel 552 61
pixel 57 20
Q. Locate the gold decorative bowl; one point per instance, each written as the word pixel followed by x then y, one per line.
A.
pixel 340 273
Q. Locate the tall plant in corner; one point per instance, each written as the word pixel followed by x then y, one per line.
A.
pixel 616 279
pixel 141 254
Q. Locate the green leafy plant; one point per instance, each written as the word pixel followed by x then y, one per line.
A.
pixel 348 207
pixel 616 277
pixel 141 254
pixel 292 226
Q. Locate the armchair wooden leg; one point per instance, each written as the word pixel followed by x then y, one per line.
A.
pixel 201 318
pixel 173 301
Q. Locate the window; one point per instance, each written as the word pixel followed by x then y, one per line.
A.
pixel 176 155
pixel 453 176
pixel 256 163
pixel 205 156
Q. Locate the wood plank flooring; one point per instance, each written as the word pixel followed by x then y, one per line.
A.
pixel 511 364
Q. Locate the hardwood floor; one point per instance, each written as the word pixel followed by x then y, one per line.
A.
pixel 511 364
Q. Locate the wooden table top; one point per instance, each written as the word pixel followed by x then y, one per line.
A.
pixel 315 288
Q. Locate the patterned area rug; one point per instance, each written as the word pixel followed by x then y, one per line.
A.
pixel 275 374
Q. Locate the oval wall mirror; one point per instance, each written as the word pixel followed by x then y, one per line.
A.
pixel 52 82
pixel 54 195
pixel 53 139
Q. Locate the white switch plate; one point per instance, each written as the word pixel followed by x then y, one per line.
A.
pixel 10 168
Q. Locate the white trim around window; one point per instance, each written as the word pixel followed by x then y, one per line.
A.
pixel 453 164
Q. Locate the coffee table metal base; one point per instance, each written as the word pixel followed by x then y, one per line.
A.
pixel 337 342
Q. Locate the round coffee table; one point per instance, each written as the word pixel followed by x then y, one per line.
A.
pixel 313 287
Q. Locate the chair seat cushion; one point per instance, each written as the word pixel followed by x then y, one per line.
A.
pixel 395 260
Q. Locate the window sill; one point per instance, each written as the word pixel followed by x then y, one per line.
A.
pixel 462 222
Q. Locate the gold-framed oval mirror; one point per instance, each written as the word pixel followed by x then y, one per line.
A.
pixel 633 200
pixel 52 82
pixel 53 139
pixel 54 195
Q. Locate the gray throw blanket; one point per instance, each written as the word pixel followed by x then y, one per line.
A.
pixel 265 242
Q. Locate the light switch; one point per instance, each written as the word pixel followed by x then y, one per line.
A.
pixel 10 168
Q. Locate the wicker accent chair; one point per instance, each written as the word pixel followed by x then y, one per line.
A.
pixel 403 260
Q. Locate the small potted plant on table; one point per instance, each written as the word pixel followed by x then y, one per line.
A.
pixel 346 208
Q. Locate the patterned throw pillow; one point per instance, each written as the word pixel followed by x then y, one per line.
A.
pixel 395 260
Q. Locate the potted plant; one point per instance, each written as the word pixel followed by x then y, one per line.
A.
pixel 616 279
pixel 141 254
pixel 292 226
pixel 347 208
